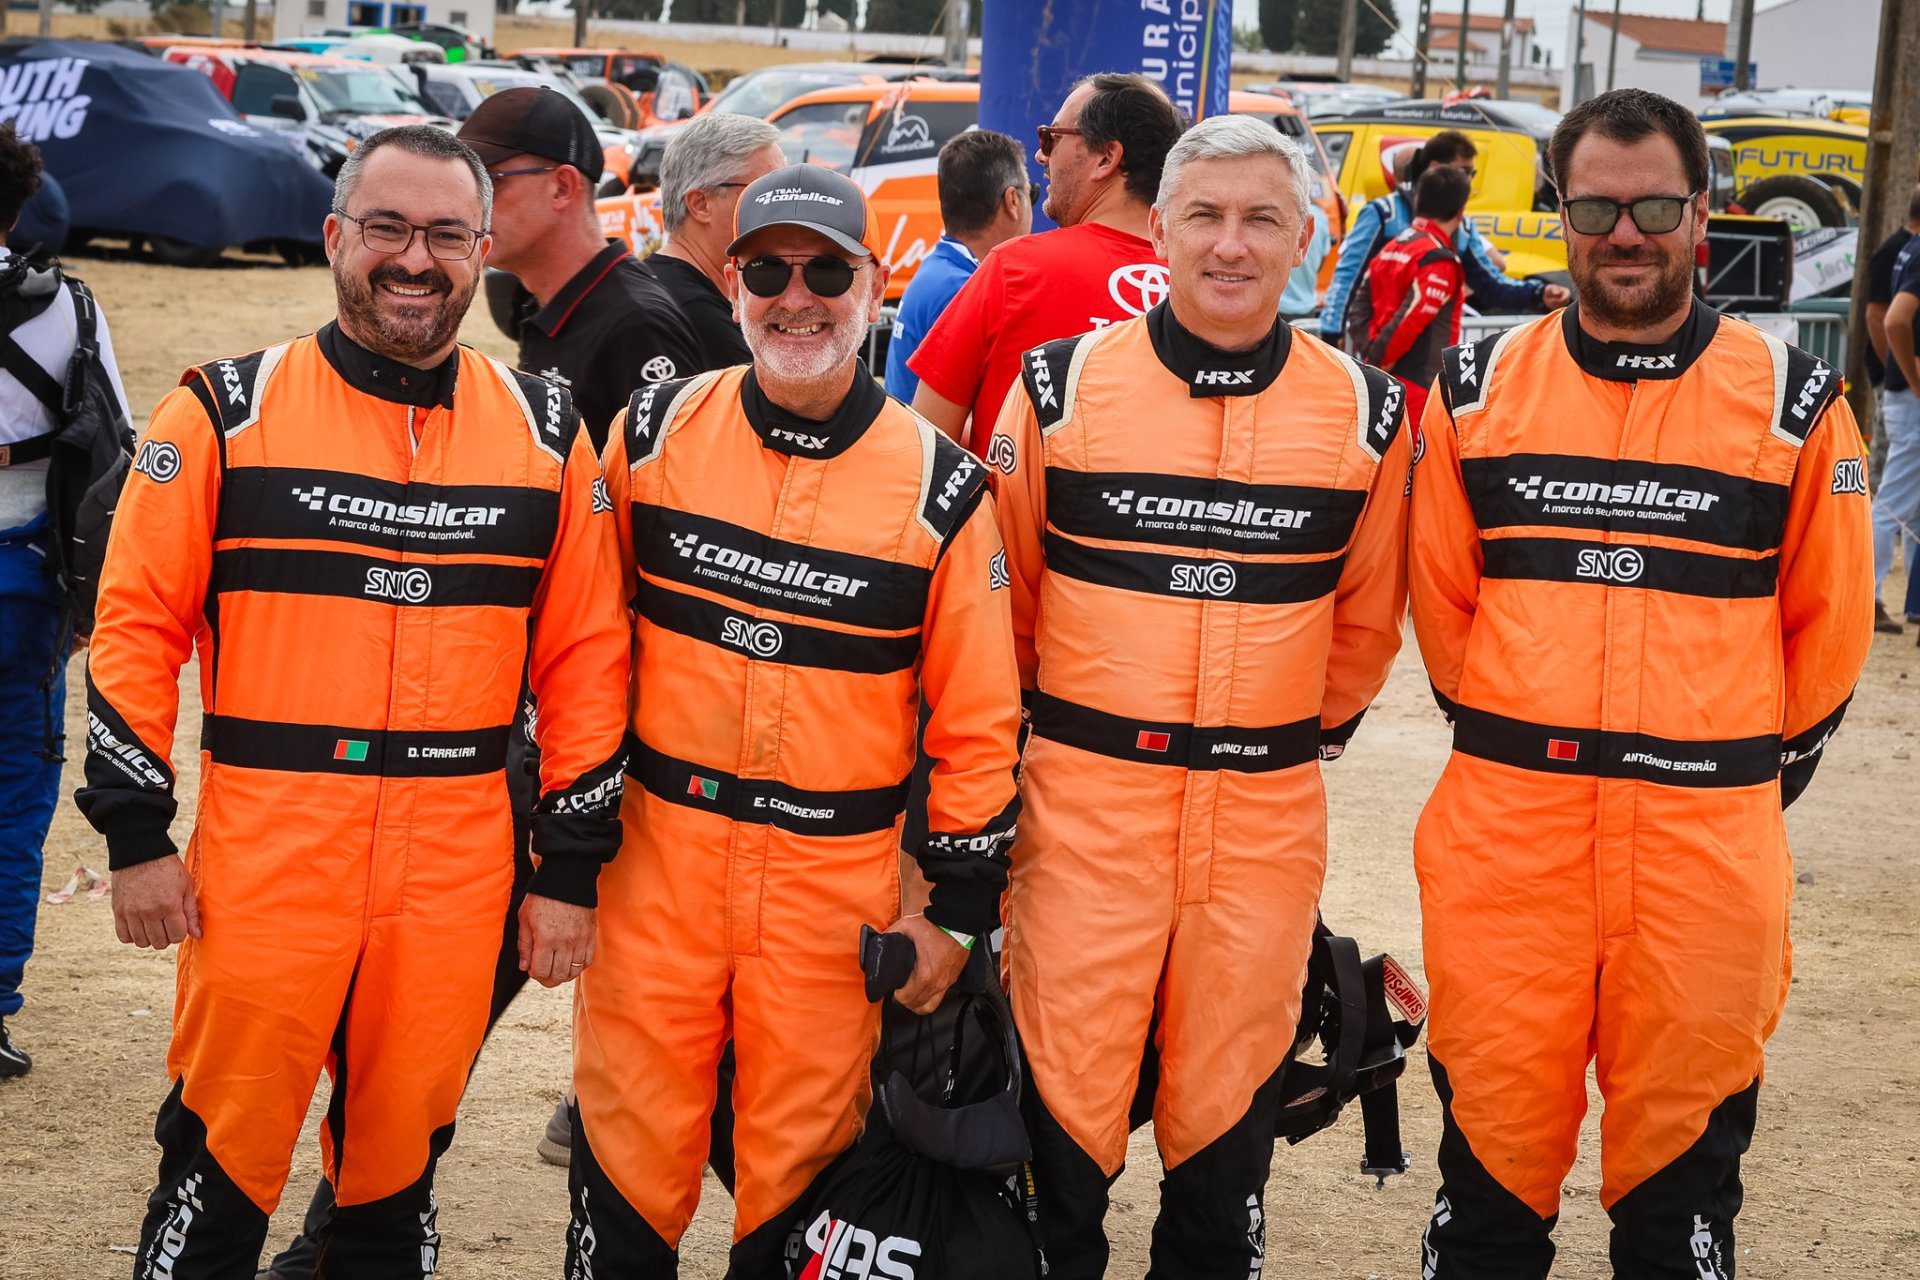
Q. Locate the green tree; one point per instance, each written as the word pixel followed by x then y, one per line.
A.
pixel 1317 30
pixel 1276 24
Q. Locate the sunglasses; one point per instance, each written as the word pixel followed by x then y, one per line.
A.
pixel 1052 133
pixel 1033 193
pixel 1654 215
pixel 825 275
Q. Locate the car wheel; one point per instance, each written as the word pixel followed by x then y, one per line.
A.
pixel 179 253
pixel 1801 203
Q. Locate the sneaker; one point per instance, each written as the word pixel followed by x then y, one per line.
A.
pixel 13 1060
pixel 1884 622
pixel 556 1144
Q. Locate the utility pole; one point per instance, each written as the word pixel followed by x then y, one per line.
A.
pixel 957 21
pixel 1893 143
pixel 579 23
pixel 776 24
pixel 1740 41
pixel 1349 36
pixel 1579 50
pixel 1613 45
pixel 1422 30
pixel 252 18
pixel 1460 63
pixel 1506 51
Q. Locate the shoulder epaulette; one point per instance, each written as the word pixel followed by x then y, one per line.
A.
pixel 1806 386
pixel 231 389
pixel 550 412
pixel 1043 371
pixel 1383 412
pixel 649 410
pixel 955 481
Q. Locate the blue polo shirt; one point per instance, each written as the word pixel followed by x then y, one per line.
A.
pixel 935 281
pixel 1906 279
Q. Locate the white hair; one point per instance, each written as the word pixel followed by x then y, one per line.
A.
pixel 705 152
pixel 1231 137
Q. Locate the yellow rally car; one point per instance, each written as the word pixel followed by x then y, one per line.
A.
pixel 1805 171
pixel 887 137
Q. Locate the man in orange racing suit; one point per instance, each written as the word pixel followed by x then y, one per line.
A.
pixel 1642 584
pixel 806 558
pixel 1204 513
pixel 367 533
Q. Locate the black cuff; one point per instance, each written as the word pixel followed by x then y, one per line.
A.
pixel 574 880
pixel 131 848
pixel 965 906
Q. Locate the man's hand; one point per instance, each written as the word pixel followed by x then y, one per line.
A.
pixel 556 940
pixel 154 905
pixel 937 962
pixel 1556 296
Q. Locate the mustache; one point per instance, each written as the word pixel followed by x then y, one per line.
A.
pixel 392 273
pixel 797 319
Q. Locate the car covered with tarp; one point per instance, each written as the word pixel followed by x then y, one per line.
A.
pixel 150 151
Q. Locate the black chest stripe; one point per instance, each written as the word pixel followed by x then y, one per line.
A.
pixel 751 567
pixel 1690 573
pixel 1640 497
pixel 763 800
pixel 789 643
pixel 1241 581
pixel 282 571
pixel 1202 512
pixel 337 506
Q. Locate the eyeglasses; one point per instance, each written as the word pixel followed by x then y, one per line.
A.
pixel 1654 215
pixel 722 186
pixel 1052 133
pixel 1033 193
pixel 825 276
pixel 449 242
pixel 496 175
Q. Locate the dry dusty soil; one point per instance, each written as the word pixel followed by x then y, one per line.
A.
pixel 1832 1181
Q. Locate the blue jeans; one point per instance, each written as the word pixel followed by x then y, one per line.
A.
pixel 1896 506
pixel 29 781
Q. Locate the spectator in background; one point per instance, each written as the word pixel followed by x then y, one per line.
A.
pixel 985 199
pixel 1412 292
pixel 1379 221
pixel 1303 286
pixel 1879 295
pixel 708 164
pixel 604 326
pixel 1896 503
pixel 1103 154
pixel 37 332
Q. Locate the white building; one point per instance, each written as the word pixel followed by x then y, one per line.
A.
pixel 1483 40
pixel 296 18
pixel 1667 55
pixel 1816 44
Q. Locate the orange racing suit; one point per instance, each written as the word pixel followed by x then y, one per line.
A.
pixel 1207 554
pixel 1641 584
pixel 797 587
pixel 366 555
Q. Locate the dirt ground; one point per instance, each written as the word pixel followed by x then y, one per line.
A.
pixel 1831 1185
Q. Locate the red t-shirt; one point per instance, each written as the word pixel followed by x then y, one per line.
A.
pixel 1031 290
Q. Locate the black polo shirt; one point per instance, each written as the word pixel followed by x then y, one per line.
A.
pixel 715 334
pixel 609 332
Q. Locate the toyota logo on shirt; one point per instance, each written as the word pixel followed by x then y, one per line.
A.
pixel 1138 287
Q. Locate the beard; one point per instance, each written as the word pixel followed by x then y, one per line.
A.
pixel 408 336
pixel 1635 306
pixel 774 359
pixel 1060 197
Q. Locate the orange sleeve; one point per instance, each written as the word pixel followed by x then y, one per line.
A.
pixel 1443 552
pixel 1017 472
pixel 578 665
pixel 1826 591
pixel 153 592
pixel 1370 601
pixel 972 691
pixel 617 474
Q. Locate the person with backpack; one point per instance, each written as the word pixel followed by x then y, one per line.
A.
pixel 1379 221
pixel 1408 307
pixel 42 317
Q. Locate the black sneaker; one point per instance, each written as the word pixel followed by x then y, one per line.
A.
pixel 13 1060
pixel 1884 622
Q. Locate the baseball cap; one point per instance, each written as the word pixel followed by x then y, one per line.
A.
pixel 810 196
pixel 535 122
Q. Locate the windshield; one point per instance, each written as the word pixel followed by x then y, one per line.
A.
pixel 491 82
pixel 358 91
pixel 759 93
pixel 1529 115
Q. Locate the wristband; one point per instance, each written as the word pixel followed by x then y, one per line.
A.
pixel 964 939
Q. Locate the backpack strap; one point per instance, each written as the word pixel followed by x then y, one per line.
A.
pixel 40 384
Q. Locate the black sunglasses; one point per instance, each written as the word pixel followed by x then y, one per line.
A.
pixel 825 275
pixel 1654 215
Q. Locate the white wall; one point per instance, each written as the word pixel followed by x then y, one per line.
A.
pixel 1675 75
pixel 1817 44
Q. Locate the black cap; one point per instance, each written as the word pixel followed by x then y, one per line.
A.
pixel 534 122
pixel 810 196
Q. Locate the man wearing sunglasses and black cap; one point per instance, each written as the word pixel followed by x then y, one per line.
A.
pixel 807 560
pixel 605 326
pixel 1641 581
